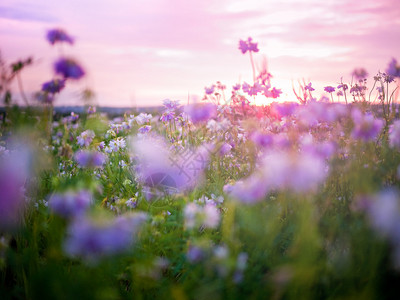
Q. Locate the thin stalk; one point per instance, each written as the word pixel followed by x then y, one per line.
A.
pixel 21 89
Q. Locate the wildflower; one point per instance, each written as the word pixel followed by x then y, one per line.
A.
pixel 248 45
pixel 167 116
pixel 90 158
pixel 393 68
pixel 131 203
pixel 70 204
pixel 200 112
pixel 299 172
pixel 53 86
pixel 117 144
pixel 122 163
pixel 197 216
pixel 195 254
pixel 225 149
pixel 360 74
pixel 85 138
pixel 68 68
pixel 94 239
pixel 58 36
pixel 144 129
pixel 210 90
pixel 171 104
pixel 329 89
pixel 394 134
pixel 250 190
pixel 160 168
pixel 343 86
pixel 366 127
pixel 308 87
pixel 91 110
pixel 143 118
pixel 236 87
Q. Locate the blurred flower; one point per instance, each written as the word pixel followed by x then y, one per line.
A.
pixel 53 86
pixel 248 45
pixel 308 87
pixel 200 112
pixel 143 118
pixel 93 239
pixel 329 89
pixel 58 36
pixel 70 204
pixel 360 74
pixel 366 127
pixel 144 129
pixel 91 110
pixel 93 159
pixel 68 68
pixel 44 97
pixel 85 138
pixel 393 68
pixel 209 90
pixel 160 168
pixel 225 149
pixel 171 104
pixel 198 216
pixel 250 190
pixel 394 134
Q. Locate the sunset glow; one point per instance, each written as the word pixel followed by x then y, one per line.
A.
pixel 139 53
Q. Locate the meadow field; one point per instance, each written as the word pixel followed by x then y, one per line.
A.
pixel 220 199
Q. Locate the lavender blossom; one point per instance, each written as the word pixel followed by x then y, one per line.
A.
pixel 329 89
pixel 248 45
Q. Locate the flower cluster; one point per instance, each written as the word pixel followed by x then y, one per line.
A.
pixel 70 204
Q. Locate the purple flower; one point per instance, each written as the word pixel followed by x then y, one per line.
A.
pixel 94 239
pixel 209 90
pixel 366 127
pixel 70 204
pixel 360 74
pixel 248 45
pixel 58 36
pixel 197 216
pixel 250 190
pixel 225 149
pixel 85 138
pixel 53 86
pixel 68 68
pixel 15 171
pixel 329 89
pixel 144 129
pixel 308 87
pixel 236 87
pixel 299 172
pixel 11 195
pixel 171 104
pixel 195 254
pixel 261 139
pixel 394 134
pixel 200 112
pixel 393 68
pixel 93 159
pixel 160 168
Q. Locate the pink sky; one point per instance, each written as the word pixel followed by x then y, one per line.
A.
pixel 143 51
